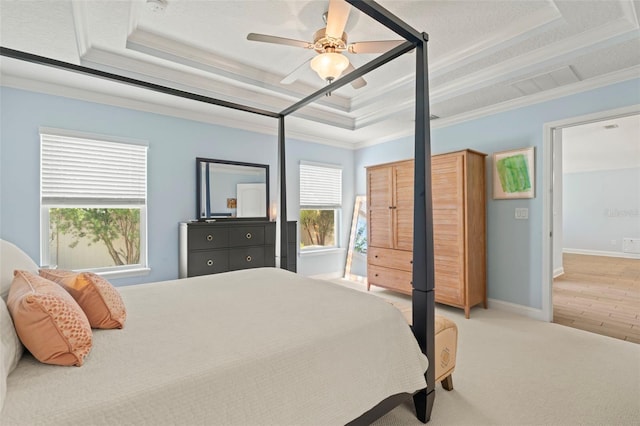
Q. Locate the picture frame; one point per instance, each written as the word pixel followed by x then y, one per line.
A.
pixel 514 174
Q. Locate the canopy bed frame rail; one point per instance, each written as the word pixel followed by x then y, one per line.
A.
pixel 423 259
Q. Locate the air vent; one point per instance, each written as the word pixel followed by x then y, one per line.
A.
pixel 547 81
pixel 433 117
pixel 611 126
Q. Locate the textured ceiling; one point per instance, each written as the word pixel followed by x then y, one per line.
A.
pixel 484 56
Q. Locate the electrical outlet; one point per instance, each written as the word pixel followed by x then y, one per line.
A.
pixel 522 213
pixel 631 245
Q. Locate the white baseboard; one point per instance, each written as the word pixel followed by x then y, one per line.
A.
pixel 601 253
pixel 558 271
pixel 525 311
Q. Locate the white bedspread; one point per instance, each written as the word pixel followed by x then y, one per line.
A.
pixel 260 346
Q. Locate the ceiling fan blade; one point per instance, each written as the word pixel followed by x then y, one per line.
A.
pixel 293 75
pixel 337 17
pixel 279 40
pixel 373 46
pixel 358 83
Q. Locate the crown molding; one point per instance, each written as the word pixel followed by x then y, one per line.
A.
pixel 523 29
pixel 147 42
pixel 562 91
pixel 615 32
pixel 215 87
pixel 79 12
pixel 604 36
pixel 579 87
pixel 199 112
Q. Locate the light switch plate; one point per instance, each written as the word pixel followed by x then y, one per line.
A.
pixel 522 213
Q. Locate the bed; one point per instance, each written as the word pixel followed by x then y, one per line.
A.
pixel 254 400
pixel 257 346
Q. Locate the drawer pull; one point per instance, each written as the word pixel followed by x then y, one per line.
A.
pixel 411 261
pixel 376 256
pixel 209 237
pixel 209 262
pixel 248 235
pixel 248 258
pixel 376 275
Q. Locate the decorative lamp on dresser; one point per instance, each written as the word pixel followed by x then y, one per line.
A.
pixel 459 227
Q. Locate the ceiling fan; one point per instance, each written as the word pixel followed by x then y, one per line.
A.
pixel 330 43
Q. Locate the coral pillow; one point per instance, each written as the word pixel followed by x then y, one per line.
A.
pixel 99 300
pixel 48 321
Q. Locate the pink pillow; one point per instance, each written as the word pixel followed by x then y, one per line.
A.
pixel 99 300
pixel 48 321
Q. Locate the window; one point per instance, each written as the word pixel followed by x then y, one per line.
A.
pixel 320 204
pixel 93 204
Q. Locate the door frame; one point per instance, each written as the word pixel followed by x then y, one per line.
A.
pixel 548 169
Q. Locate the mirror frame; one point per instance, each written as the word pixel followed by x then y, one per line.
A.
pixel 200 160
pixel 359 211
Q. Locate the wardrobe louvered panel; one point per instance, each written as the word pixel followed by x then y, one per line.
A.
pixel 403 206
pixel 448 248
pixel 447 182
pixel 380 189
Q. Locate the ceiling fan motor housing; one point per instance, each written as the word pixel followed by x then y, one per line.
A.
pixel 323 43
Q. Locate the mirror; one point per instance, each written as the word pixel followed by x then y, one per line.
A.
pixel 356 266
pixel 232 190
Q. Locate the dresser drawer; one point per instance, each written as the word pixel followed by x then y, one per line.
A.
pixel 390 278
pixel 246 257
pixel 207 237
pixel 397 259
pixel 246 236
pixel 208 262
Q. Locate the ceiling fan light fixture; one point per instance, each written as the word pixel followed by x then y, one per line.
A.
pixel 330 65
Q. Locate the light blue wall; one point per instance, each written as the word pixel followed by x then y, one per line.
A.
pixel 514 247
pixel 601 207
pixel 174 144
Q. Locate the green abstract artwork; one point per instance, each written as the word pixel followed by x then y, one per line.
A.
pixel 513 174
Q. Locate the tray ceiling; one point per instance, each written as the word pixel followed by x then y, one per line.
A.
pixel 484 56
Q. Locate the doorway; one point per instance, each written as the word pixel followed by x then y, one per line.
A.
pixel 593 268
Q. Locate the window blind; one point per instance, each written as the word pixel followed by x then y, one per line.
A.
pixel 86 171
pixel 320 185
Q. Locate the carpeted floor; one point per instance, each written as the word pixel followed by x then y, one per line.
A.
pixel 513 370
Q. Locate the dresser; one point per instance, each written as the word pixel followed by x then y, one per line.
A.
pixel 213 247
pixel 459 227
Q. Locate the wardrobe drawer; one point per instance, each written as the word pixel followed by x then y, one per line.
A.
pixel 207 237
pixel 246 236
pixel 249 257
pixel 390 278
pixel 397 259
pixel 208 262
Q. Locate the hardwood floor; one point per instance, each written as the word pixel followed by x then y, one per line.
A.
pixel 599 294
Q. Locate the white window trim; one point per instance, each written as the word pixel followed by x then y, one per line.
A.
pixel 124 271
pixel 336 208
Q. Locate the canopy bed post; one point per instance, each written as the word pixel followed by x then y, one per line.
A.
pixel 423 263
pixel 282 208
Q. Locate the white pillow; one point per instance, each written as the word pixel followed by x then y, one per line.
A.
pixel 12 258
pixel 10 349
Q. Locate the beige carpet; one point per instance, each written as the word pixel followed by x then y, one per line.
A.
pixel 513 370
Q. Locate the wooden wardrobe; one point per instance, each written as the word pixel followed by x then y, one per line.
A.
pixel 459 227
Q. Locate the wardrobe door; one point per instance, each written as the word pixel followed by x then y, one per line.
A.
pixel 403 206
pixel 380 203
pixel 448 228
